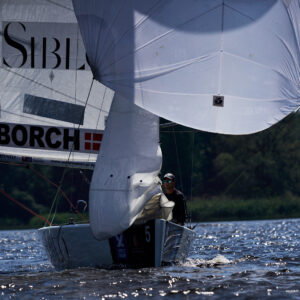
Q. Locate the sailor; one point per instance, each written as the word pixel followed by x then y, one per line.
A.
pixel 179 210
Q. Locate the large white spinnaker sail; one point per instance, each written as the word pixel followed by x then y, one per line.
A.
pixel 51 110
pixel 222 66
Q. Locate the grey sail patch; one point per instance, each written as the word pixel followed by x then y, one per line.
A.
pixel 218 101
pixel 53 109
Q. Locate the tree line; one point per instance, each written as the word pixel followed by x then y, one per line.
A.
pixel 265 164
pixel 207 166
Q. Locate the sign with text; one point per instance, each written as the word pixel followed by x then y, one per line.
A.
pixel 50 138
pixel 34 45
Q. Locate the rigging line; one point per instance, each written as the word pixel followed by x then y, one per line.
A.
pixel 82 117
pixel 43 85
pixel 12 164
pixel 109 28
pixel 247 168
pixel 60 5
pixel 51 208
pixel 102 103
pixel 51 183
pixel 41 176
pixel 76 71
pixel 24 206
pixel 75 86
pixel 171 31
pixel 68 160
pixel 36 82
pixel 269 29
pixel 85 178
pixel 235 181
pixel 101 111
pixel 55 211
pixel 99 33
pixel 192 172
pixel 136 26
pixel 177 158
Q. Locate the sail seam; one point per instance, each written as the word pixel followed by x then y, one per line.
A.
pixel 178 66
pixel 125 33
pixel 174 29
pixel 60 5
pixel 108 30
pixel 164 70
pixel 262 65
pixel 228 95
pixel 157 38
pixel 221 58
pixel 47 87
pixel 296 60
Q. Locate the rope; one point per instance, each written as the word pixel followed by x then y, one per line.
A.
pixel 12 164
pixel 25 207
pixel 59 190
pixel 41 175
pixel 192 171
pixel 189 215
pixel 54 202
pixel 177 159
pixel 52 183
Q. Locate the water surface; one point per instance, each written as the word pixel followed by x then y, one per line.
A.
pixel 245 260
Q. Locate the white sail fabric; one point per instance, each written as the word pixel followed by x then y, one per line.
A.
pixel 225 66
pixel 47 94
pixel 222 66
pixel 125 174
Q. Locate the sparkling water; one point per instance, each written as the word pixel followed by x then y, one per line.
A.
pixel 245 260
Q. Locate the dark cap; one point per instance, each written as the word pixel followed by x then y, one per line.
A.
pixel 169 176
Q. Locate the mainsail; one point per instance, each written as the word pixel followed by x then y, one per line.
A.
pixel 222 66
pixel 51 109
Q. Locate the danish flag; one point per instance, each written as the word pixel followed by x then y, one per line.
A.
pixel 92 141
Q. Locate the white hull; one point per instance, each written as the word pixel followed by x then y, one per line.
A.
pixel 152 244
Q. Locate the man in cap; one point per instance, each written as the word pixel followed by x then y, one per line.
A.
pixel 179 210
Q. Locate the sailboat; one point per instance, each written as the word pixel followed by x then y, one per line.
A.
pixel 223 66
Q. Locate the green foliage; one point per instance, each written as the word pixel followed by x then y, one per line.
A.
pixel 59 219
pixel 227 177
pixel 36 188
pixel 225 208
pixel 260 165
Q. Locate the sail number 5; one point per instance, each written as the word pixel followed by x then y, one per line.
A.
pixel 147 234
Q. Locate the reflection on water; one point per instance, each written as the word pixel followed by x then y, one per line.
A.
pixel 232 259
